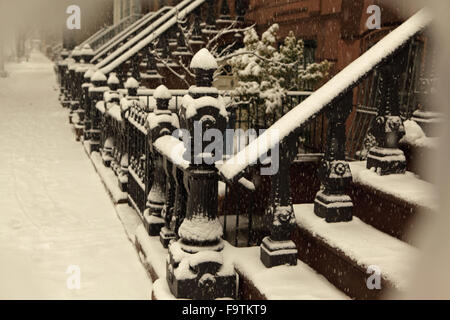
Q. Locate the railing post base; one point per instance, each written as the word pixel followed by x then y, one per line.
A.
pixel 334 208
pixel 152 223
pixel 200 276
pixel 332 202
pixel 165 236
pixel 276 253
pixel 386 161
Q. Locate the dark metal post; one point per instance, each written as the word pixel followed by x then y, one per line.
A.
pixel 87 104
pixel 96 92
pixel 332 201
pixel 278 248
pixel 159 123
pixel 386 158
pixel 196 268
pixel 167 233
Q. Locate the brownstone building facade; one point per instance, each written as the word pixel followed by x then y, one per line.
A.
pixel 332 29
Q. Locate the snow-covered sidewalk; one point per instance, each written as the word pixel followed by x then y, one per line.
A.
pixel 54 210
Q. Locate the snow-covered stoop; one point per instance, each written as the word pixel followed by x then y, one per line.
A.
pixel 335 259
pixel 377 240
pixel 256 282
pixel 107 175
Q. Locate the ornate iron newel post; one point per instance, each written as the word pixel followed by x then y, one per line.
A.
pixel 196 268
pixel 109 143
pixel 80 113
pixel 62 68
pixel 167 233
pixel 427 115
pixel 96 93
pixel 386 158
pixel 278 248
pixel 180 201
pixel 332 201
pixel 87 103
pixel 73 83
pixel 159 123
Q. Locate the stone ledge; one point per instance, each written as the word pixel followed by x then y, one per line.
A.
pixel 256 282
pixel 402 201
pixel 342 252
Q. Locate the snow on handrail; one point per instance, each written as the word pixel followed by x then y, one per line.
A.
pixel 118 37
pixel 119 52
pixel 89 40
pixel 340 84
pixel 150 17
pixel 97 35
pixel 114 27
pixel 108 29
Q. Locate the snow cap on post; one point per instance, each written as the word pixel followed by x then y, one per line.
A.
pixel 87 53
pixel 204 65
pixel 98 76
pixel 88 74
pixel 132 86
pixel 64 53
pixel 162 96
pixel 113 81
pixel 76 54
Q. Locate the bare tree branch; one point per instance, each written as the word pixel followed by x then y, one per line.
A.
pixel 159 59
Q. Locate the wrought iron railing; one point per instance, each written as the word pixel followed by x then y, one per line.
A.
pixel 178 199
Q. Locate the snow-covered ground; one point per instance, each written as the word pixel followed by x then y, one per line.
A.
pixel 54 211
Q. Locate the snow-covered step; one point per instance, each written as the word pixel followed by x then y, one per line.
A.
pixel 298 282
pixel 348 253
pixel 256 281
pixel 392 203
pixel 109 179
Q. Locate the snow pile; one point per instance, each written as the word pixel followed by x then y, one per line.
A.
pixel 416 137
pixel 188 262
pixel 322 97
pixel 155 119
pixel 131 83
pixel 100 106
pixel 115 112
pixel 162 93
pixel 200 228
pixel 192 105
pixel 76 52
pixel 173 149
pixel 113 79
pixel 204 60
pixel 98 76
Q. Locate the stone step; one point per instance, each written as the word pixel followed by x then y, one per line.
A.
pixel 393 204
pixel 256 282
pixel 348 253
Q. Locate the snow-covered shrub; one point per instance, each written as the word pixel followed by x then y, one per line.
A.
pixel 265 74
